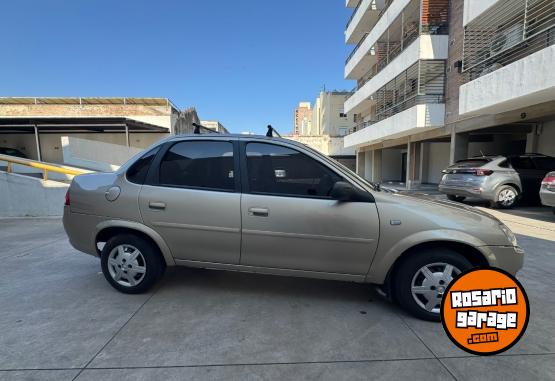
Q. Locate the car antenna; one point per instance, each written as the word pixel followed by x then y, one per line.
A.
pixel 197 128
pixel 482 153
pixel 271 131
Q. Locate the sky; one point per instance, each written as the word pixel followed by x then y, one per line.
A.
pixel 246 63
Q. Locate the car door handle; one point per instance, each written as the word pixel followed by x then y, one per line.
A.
pixel 157 205
pixel 259 212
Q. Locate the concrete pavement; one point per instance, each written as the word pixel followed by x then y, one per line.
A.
pixel 61 320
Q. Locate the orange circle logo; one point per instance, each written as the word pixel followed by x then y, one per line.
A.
pixel 485 311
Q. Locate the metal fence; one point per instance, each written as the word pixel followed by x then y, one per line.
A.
pixel 509 31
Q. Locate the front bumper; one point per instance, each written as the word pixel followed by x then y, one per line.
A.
pixel 508 258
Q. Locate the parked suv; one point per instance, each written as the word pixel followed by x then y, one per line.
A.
pixel 273 206
pixel 498 179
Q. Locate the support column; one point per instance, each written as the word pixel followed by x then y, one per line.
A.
pixel 413 161
pixel 459 147
pixel 360 164
pixel 376 166
pixel 532 140
pixel 37 142
pixel 424 162
pixel 127 135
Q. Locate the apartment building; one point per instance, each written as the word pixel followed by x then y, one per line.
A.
pixel 302 119
pixel 328 126
pixel 440 80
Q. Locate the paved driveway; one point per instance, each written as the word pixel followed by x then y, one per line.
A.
pixel 60 320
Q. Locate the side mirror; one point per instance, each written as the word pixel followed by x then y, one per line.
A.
pixel 343 191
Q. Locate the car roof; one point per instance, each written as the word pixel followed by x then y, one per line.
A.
pixel 234 137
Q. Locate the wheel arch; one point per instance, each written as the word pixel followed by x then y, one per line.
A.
pixel 109 229
pixel 469 252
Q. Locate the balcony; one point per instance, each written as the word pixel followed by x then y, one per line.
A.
pixel 506 52
pixel 364 17
pixel 351 3
pixel 420 88
pixel 415 119
pixel 396 29
pixel 424 47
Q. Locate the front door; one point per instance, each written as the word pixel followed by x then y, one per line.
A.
pixel 192 201
pixel 291 222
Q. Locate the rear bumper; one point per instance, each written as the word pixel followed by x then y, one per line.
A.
pixel 471 191
pixel 81 230
pixel 547 197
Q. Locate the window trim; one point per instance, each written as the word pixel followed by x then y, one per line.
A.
pixel 153 176
pixel 245 179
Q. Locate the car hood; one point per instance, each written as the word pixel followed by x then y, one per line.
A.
pixel 413 214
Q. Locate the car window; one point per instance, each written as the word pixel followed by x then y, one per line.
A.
pixel 199 164
pixel 522 163
pixel 503 164
pixel 137 173
pixel 470 163
pixel 279 170
pixel 545 163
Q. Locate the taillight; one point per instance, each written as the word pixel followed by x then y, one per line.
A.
pixel 483 172
pixel 68 201
pixel 549 182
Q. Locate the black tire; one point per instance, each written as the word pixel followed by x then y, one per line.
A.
pixel 151 260
pixel 455 198
pixel 501 204
pixel 408 269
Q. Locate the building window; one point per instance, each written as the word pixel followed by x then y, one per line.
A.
pixel 342 115
pixel 343 131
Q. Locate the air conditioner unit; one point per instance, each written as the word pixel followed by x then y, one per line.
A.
pixel 507 38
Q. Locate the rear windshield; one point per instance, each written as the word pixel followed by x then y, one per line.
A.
pixel 470 163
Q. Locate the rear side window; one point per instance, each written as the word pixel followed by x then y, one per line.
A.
pixel 470 163
pixel 137 173
pixel 279 170
pixel 545 163
pixel 199 164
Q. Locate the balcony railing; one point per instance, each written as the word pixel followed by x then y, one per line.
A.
pixel 391 54
pixel 412 101
pixel 508 32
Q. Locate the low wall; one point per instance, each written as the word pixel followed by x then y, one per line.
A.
pixel 22 196
pixel 95 155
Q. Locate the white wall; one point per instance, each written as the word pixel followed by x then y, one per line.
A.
pixel 546 141
pixel 410 121
pixel 27 196
pixel 51 144
pixel 523 83
pixel 474 8
pixel 391 164
pixel 438 160
pixel 95 155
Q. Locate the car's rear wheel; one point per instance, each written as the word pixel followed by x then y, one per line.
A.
pixel 421 280
pixel 506 197
pixel 455 198
pixel 131 264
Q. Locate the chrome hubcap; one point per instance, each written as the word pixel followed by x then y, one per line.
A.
pixel 429 284
pixel 126 265
pixel 507 197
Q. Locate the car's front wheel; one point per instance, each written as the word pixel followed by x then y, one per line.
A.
pixel 131 264
pixel 421 280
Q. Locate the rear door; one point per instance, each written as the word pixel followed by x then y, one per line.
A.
pixel 291 222
pixel 191 198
